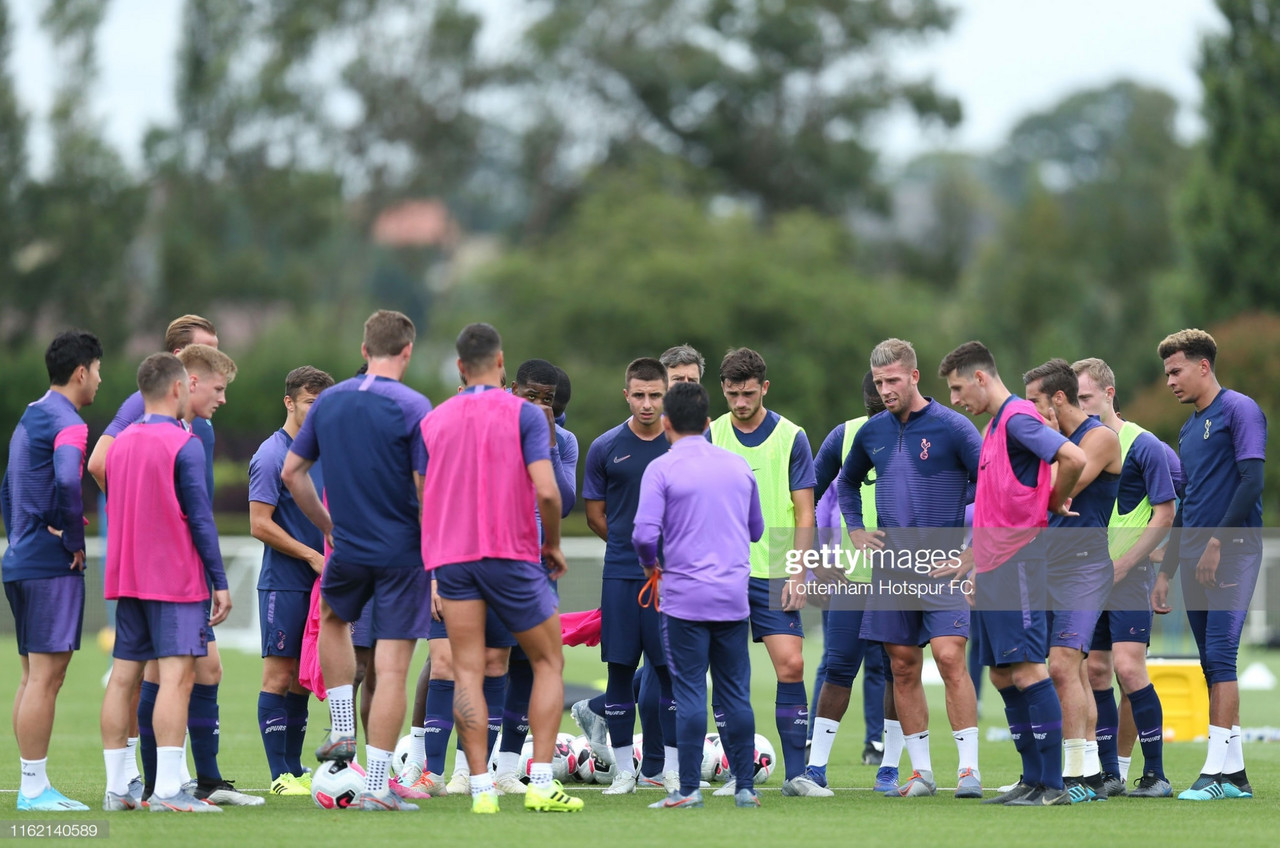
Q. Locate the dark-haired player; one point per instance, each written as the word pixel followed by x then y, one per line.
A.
pixel 778 452
pixel 44 562
pixel 292 559
pixel 615 467
pixel 1223 447
pixel 1017 488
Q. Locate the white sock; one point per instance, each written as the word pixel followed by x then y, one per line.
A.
pixel 184 774
pixel 508 762
pixel 1092 765
pixel 893 743
pixel 131 761
pixel 1216 757
pixel 460 763
pixel 967 746
pixel 1073 758
pixel 540 775
pixel 1235 752
pixel 116 780
pixel 1124 768
pixel 672 756
pixel 824 737
pixel 624 756
pixel 417 749
pixel 377 763
pixel 168 772
pixel 918 751
pixel 342 711
pixel 34 778
pixel 482 783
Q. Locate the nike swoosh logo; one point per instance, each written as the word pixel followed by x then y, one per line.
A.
pixel 832 732
pixel 618 459
pixel 877 450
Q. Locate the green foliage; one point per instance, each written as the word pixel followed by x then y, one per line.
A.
pixel 636 270
pixel 13 161
pixel 1233 199
pixel 773 98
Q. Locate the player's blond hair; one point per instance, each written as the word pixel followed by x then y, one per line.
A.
pixel 207 361
pixel 1099 371
pixel 890 351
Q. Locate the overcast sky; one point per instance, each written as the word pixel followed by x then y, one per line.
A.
pixel 1003 59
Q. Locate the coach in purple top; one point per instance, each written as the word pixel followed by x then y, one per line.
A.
pixel 1222 446
pixel 44 563
pixel 702 502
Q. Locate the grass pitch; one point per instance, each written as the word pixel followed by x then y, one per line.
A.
pixel 854 816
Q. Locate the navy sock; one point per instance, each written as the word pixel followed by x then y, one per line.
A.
pixel 1046 726
pixel 202 722
pixel 295 705
pixel 273 723
pixel 147 733
pixel 495 695
pixel 1015 712
pixel 619 709
pixel 596 705
pixel 438 723
pixel 515 710
pixel 792 717
pixel 1107 729
pixel 647 694
pixel 1148 716
pixel 666 704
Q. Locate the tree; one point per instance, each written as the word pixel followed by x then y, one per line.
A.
pixel 1233 200
pixel 771 96
pixel 13 165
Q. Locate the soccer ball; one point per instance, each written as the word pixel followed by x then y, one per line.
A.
pixel 582 765
pixel 336 786
pixel 603 772
pixel 765 759
pixel 560 757
pixel 401 755
pixel 710 755
pixel 637 750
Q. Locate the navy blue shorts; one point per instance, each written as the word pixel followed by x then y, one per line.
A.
pixel 1078 590
pixel 399 598
pixel 763 593
pixel 516 592
pixel 282 617
pixel 362 629
pixel 1127 617
pixel 148 630
pixel 628 630
pixel 1216 614
pixel 1010 613
pixel 48 613
pixel 914 627
pixel 209 635
pixel 495 635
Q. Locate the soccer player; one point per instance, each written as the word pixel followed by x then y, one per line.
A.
pixel 162 557
pixel 1078 568
pixel 366 430
pixel 779 455
pixel 1222 447
pixel 292 560
pixel 702 503
pixel 182 331
pixel 844 644
pixel 210 371
pixel 1017 488
pixel 615 467
pixel 1140 521
pixel 487 467
pixel 44 562
pixel 683 363
pixel 925 458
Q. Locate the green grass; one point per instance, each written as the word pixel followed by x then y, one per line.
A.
pixel 854 815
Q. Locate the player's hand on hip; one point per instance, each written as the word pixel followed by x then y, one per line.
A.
pixel 1207 567
pixel 954 569
pixel 316 560
pixel 221 607
pixel 556 564
pixel 77 561
pixel 1160 595
pixel 867 539
pixel 1065 510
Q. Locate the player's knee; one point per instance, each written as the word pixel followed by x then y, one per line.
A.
pixel 840 674
pixel 1219 666
pixel 951 664
pixel 1100 673
pixel 790 668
